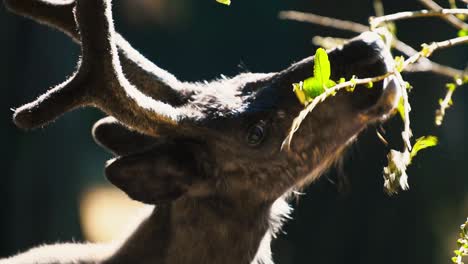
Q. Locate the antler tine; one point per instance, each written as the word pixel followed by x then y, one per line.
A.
pixel 149 78
pixel 99 82
pixel 55 14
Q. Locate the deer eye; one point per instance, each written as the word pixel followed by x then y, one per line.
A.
pixel 255 135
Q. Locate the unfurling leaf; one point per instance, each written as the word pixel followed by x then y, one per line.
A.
pixel 426 50
pixel 297 88
pixel 408 86
pixel 224 2
pixel 314 86
pixel 395 173
pixel 321 66
pixel 401 109
pixel 451 86
pixel 446 102
pixel 463 32
pixel 422 143
pixel 399 63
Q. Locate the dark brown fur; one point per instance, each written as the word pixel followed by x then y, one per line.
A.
pixel 193 150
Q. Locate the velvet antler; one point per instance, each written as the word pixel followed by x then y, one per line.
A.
pixel 99 80
pixel 148 77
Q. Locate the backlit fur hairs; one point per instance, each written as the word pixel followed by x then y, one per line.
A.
pixel 205 157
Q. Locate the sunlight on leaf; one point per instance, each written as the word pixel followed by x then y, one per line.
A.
pixel 395 172
pixel 445 103
pixel 401 108
pixel 399 63
pixel 321 66
pixel 224 2
pixel 463 32
pixel 427 50
pixel 462 243
pixel 316 85
pixel 422 143
pixel 297 88
pixel 313 87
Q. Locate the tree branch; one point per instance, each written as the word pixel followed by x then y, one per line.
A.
pixel 322 97
pixel 378 21
pixel 424 65
pixel 427 51
pixel 323 21
pixel 451 19
pixel 431 48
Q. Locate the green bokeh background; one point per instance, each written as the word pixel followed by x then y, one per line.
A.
pixel 44 171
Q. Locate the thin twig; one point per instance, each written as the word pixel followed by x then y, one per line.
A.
pixel 322 97
pixel 323 21
pixel 378 21
pixel 444 104
pixel 427 51
pixel 451 19
pixel 328 42
pixel 407 133
pixel 431 48
pixel 436 68
pixel 424 65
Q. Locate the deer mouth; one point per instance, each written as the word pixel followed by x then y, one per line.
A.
pixel 387 102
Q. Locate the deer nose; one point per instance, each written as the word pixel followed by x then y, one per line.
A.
pixel 382 96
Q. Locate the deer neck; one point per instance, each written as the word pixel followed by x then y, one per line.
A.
pixel 206 231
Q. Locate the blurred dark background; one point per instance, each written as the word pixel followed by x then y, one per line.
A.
pixel 45 171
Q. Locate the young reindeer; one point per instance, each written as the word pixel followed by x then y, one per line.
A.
pixel 208 156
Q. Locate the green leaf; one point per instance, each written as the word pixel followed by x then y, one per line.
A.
pixel 297 88
pixel 224 2
pixel 463 32
pixel 395 172
pixel 401 109
pixel 408 86
pixel 321 66
pixel 329 84
pixel 399 63
pixel 461 16
pixel 313 87
pixel 426 50
pixel 451 86
pixel 422 143
pixel 316 85
pixel 353 84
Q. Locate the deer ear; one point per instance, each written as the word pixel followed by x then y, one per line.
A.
pixel 118 139
pixel 161 174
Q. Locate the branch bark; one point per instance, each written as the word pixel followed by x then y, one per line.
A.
pixel 424 65
pixel 378 21
pixel 451 19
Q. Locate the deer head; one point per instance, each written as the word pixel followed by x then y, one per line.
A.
pixel 216 143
